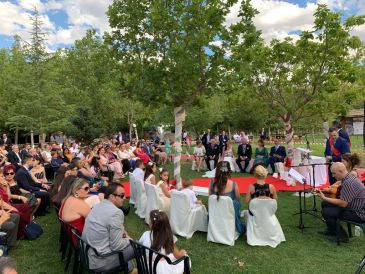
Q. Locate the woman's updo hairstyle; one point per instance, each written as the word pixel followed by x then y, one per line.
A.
pixel 260 172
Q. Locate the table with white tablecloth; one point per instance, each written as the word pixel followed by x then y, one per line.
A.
pixel 320 170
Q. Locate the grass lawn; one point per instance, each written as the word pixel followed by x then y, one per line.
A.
pixel 306 252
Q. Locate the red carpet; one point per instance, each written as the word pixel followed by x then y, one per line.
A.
pixel 243 183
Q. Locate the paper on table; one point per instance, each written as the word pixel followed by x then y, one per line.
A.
pixel 297 176
pixel 305 150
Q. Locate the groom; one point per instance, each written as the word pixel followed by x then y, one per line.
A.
pixel 212 153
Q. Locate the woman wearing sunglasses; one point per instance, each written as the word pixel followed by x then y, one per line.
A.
pixel 19 195
pixel 74 209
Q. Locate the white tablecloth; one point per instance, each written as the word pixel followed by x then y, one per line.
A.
pixel 320 170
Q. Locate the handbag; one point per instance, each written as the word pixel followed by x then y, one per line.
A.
pixel 32 200
pixel 32 231
pixel 3 244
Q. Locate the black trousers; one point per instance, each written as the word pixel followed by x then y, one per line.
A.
pixel 207 160
pixel 45 201
pixel 332 212
pixel 239 163
pixel 126 165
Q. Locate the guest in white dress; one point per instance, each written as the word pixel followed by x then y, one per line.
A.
pixel 163 189
pixel 149 176
pixel 199 153
pixel 228 156
pixel 161 239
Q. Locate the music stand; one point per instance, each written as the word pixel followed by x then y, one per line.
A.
pixel 302 205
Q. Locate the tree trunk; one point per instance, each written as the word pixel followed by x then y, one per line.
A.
pixel 32 138
pixel 16 135
pixel 325 129
pixel 289 132
pixel 179 118
pixel 313 139
pixel 43 140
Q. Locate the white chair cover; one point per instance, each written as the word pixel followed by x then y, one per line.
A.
pixel 263 228
pixel 221 226
pixel 141 198
pixel 152 200
pixel 183 219
pixel 132 188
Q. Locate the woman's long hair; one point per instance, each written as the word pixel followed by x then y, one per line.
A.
pixel 352 158
pixel 65 188
pixel 60 175
pixel 161 232
pixel 222 174
pixel 75 186
pixel 149 169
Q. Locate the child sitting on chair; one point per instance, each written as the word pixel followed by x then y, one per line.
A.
pixel 188 190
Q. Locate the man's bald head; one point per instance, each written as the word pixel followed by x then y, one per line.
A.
pixel 339 170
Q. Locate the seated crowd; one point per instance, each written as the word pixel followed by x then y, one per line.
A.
pixel 87 192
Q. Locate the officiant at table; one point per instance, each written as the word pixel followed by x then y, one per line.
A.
pixel 336 146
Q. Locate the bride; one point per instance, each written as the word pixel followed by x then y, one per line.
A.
pixel 227 156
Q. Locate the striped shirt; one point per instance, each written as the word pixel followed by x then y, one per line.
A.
pixel 353 192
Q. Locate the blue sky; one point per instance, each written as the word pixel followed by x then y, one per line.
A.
pixel 67 20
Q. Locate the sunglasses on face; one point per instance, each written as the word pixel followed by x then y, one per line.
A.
pixel 10 173
pixel 120 195
pixel 86 188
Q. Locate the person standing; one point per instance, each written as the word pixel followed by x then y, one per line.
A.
pixel 223 139
pixel 206 138
pixel 336 146
pixel 341 132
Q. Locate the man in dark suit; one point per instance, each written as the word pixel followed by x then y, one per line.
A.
pixel 341 132
pixel 244 154
pixel 277 154
pixel 212 153
pixel 336 146
pixel 263 134
pixel 26 182
pixel 24 151
pixel 14 156
pixel 223 139
pixel 206 139
pixel 6 141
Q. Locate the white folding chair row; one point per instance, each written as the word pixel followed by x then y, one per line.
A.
pixel 132 189
pixel 221 227
pixel 183 219
pixel 153 201
pixel 138 193
pixel 263 228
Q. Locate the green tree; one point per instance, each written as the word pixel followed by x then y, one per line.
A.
pixel 168 46
pixel 293 77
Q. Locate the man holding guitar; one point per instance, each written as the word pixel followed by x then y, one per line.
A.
pixel 350 206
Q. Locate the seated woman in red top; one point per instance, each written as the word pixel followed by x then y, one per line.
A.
pixel 23 210
pixel 74 209
pixel 141 154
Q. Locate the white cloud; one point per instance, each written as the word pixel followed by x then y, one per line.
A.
pixel 276 19
pixel 88 12
pixel 67 36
